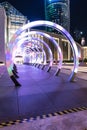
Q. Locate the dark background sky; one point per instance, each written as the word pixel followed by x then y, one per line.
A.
pixel 34 10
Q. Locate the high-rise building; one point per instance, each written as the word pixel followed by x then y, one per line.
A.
pixel 58 11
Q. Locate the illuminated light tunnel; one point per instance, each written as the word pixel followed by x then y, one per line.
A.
pixel 35 50
pixel 30 39
pixel 49 24
pixel 38 59
pixel 44 55
pixel 38 47
pixel 59 52
pixel 25 41
pixel 21 40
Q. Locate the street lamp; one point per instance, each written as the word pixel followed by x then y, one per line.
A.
pixel 82 43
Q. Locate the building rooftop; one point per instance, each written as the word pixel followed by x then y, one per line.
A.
pixel 10 10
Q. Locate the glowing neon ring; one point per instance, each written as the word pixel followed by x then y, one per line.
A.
pixel 59 52
pixel 58 28
pixel 30 40
pixel 49 50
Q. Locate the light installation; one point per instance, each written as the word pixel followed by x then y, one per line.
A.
pixel 35 57
pixel 21 40
pixel 54 26
pixel 33 41
pixel 59 52
pixel 32 51
pixel 39 48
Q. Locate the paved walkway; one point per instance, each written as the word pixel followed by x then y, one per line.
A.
pixel 42 94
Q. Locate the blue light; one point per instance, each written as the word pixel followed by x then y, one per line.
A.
pixel 56 1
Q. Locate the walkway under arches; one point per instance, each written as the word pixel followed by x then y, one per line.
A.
pixel 40 93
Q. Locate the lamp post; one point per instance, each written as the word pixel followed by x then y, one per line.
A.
pixel 82 43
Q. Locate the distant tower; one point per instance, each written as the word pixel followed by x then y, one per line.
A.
pixel 58 11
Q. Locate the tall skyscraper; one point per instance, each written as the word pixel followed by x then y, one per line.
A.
pixel 58 11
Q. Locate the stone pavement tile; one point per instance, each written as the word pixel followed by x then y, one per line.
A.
pixel 68 99
pixel 7 91
pixel 32 89
pixel 8 109
pixel 5 80
pixel 34 105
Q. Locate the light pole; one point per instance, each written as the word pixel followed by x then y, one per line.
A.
pixel 82 43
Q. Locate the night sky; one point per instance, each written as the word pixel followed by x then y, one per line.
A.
pixel 34 10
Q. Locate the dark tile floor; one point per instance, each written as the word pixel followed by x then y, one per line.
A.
pixel 41 93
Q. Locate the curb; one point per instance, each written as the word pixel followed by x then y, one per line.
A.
pixel 3 124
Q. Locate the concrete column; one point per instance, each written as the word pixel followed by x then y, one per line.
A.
pixel 2 34
pixel 69 51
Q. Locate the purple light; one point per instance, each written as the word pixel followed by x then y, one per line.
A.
pixel 29 38
pixel 59 52
pixel 58 28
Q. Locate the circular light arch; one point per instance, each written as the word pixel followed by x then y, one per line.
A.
pixel 20 41
pixel 58 28
pixel 59 52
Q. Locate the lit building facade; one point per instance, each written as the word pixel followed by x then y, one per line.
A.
pixel 58 11
pixel 10 20
pixel 13 20
pixel 64 45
